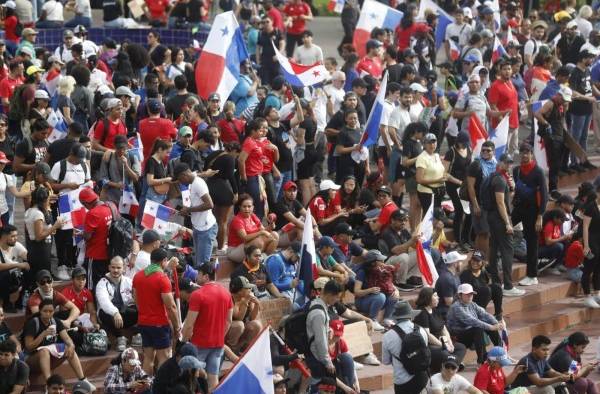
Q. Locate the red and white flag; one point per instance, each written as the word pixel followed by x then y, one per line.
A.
pixel 129 204
pixel 477 133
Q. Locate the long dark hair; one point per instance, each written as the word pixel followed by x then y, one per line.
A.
pixel 38 197
pixel 575 339
pixel 412 129
pixel 188 379
pixel 407 19
pixel 424 298
pixel 350 200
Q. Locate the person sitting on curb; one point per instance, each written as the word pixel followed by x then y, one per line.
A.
pixel 490 377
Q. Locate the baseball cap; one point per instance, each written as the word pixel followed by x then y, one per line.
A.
pixel 507 158
pixel 471 58
pixel 131 356
pixel 385 189
pixel 485 10
pixel 466 11
pixel 498 354
pixel 430 137
pixel 82 387
pixel 121 142
pixel 328 184
pixel 28 31
pixel 278 379
pixel 466 288
pixel 41 94
pixel 373 255
pixel 214 97
pixel 190 362
pixel 454 257
pixel 409 52
pixel 150 236
pixel 55 59
pixel 78 271
pixel 238 283
pixel 417 87
pixel 68 33
pixel 3 158
pixel 43 274
pixel 185 131
pixel 525 147
pixel 10 4
pixel 337 327
pixel 79 29
pixel 87 195
pixel 474 78
pixel 28 51
pixel 326 241
pixel 187 349
pixel 572 25
pixel 154 105
pixel 451 359
pixel 344 228
pixel 566 93
pixel 372 43
pixel 124 91
pixel 290 185
pixel 112 103
pixel 43 169
pixel 478 255
pixel 539 23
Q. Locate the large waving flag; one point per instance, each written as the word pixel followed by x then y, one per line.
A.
pixel 50 81
pixel 129 204
pixel 59 126
pixel 308 256
pixel 498 51
pixel 499 136
pixel 539 149
pixel 253 372
pixel 218 67
pixel 373 14
pixel 70 209
pixel 336 6
pixel 477 133
pixel 157 217
pixel 444 19
pixel 371 133
pixel 300 75
pixel 424 260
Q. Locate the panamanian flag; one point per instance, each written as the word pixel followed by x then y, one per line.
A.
pixel 424 260
pixel 157 217
pixel 137 148
pixel 298 74
pixel 129 204
pixel 59 126
pixel 185 195
pixel 70 209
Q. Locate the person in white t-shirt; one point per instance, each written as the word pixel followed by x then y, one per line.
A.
pixel 533 45
pixel 335 93
pixel 449 382
pixel 52 15
pixel 457 31
pixel 308 53
pixel 13 256
pixel 68 174
pixel 150 242
pixel 199 205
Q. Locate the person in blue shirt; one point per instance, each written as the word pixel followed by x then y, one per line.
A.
pixel 281 267
pixel 252 38
pixel 244 93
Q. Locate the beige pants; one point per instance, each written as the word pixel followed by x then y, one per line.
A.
pixel 513 141
pixel 236 254
pixel 408 266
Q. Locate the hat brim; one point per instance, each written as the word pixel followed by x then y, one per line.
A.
pixel 471 292
pixel 405 316
pixel 5 161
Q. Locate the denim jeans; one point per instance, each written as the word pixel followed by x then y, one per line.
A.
pixel 373 303
pixel 285 176
pixel 580 124
pixel 554 251
pixel 203 245
pixel 344 368
pixel 46 24
pixel 212 357
pixel 395 159
pixel 79 20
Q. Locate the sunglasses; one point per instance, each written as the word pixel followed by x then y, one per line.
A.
pixel 45 282
pixel 486 150
pixel 451 367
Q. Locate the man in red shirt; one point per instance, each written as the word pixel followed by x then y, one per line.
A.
pixel 68 311
pixel 371 63
pixel 95 233
pixel 157 10
pixel 157 311
pixel 275 15
pixel 502 96
pixel 8 84
pixel 384 196
pixel 81 297
pixel 154 127
pixel 208 320
pixel 297 12
pixel 490 377
pixel 104 140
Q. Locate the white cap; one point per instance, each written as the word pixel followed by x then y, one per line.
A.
pixel 10 4
pixel 467 12
pixel 453 257
pixel 124 91
pixel 41 94
pixel 417 87
pixel 572 24
pixel 466 288
pixel 474 77
pixel 328 184
pixel 566 93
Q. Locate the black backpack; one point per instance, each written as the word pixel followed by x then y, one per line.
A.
pixel 63 170
pixel 486 194
pixel 415 356
pixel 120 234
pixel 296 335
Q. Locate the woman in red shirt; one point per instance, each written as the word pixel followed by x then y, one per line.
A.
pixel 324 208
pixel 251 161
pixel 347 380
pixel 553 241
pixel 246 229
pixel 406 28
pixel 347 198
pixel 9 23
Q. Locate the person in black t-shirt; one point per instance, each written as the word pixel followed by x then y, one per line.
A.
pixel 265 54
pixel 31 149
pixel 290 216
pixel 349 151
pixel 14 373
pixel 256 272
pixel 580 109
pixel 59 149
pixel 486 291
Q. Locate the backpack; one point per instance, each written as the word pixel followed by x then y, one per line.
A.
pixel 63 170
pixel 296 335
pixel 120 234
pixel 486 194
pixel 460 122
pixel 415 356
pixel 260 107
pixel 93 344
pixel 19 28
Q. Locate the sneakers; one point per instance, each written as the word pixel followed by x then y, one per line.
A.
pixel 388 323
pixel 376 326
pixel 527 281
pixel 514 292
pixel 405 287
pixel 91 387
pixel 555 271
pixel 415 281
pixel 545 263
pixel 62 273
pixel 590 302
pixel 370 359
pixel 358 366
pixel 136 340
pixel 121 343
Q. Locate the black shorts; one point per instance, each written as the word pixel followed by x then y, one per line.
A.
pixel 156 337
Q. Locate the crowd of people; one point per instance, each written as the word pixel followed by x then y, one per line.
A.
pixel 111 125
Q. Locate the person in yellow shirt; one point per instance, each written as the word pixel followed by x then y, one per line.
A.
pixel 41 177
pixel 438 239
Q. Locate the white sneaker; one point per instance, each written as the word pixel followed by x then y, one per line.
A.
pixel 358 366
pixel 371 359
pixel 121 343
pixel 136 340
pixel 62 273
pixel 92 387
pixel 527 281
pixel 555 271
pixel 376 326
pixel 590 302
pixel 388 323
pixel 514 292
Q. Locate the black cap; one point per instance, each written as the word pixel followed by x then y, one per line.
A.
pixel 451 359
pixel 566 199
pixel 344 228
pixel 150 236
pixel 185 284
pixel 78 271
pixel 506 158
pixel 121 142
pixel 525 147
pixel 385 189
pixel 43 274
pixel 158 255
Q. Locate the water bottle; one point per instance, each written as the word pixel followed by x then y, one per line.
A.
pixel 573 367
pixel 25 298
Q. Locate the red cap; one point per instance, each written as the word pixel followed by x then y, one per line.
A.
pixel 290 184
pixel 337 327
pixel 87 195
pixel 422 28
pixel 3 158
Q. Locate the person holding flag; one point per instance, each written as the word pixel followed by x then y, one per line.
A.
pixel 118 169
pixel 503 96
pixel 458 31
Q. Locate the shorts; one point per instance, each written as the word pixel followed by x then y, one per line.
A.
pixel 236 253
pixel 480 223
pixel 212 357
pixel 156 337
pixel 382 154
pixel 410 184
